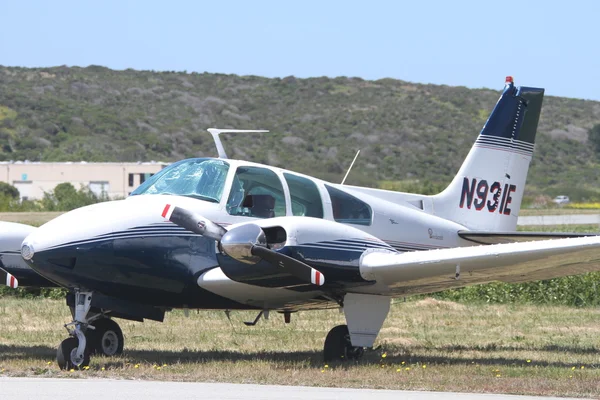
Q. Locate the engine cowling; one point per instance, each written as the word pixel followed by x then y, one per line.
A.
pixel 332 248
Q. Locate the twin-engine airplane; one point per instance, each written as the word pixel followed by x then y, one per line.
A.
pixel 214 233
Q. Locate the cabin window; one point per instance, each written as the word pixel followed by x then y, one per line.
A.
pixel 306 200
pixel 256 192
pixel 348 209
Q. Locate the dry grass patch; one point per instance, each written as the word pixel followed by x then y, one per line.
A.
pixel 439 304
pixel 29 218
pixel 428 344
pixel 556 211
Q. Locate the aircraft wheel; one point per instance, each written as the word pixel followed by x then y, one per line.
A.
pixel 66 353
pixel 338 346
pixel 107 339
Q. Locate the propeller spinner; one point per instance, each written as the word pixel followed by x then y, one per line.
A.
pixel 246 243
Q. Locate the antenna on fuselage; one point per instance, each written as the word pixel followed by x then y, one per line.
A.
pixel 351 165
pixel 216 132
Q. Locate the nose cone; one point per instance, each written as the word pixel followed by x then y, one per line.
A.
pixel 112 245
pixel 53 248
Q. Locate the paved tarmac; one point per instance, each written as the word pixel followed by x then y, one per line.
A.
pixel 567 219
pixel 102 389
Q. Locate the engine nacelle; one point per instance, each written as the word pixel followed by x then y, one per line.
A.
pixel 332 248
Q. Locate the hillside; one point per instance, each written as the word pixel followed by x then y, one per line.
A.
pixel 405 130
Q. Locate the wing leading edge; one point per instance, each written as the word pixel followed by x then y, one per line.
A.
pixel 435 270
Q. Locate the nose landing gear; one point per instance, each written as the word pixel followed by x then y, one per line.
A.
pixel 66 355
pixel 89 335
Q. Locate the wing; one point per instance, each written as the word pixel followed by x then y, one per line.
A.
pixel 480 237
pixel 435 270
pixel 13 270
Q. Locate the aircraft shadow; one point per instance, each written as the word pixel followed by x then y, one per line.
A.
pixel 311 358
pixel 496 348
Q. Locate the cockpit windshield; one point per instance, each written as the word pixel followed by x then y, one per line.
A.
pixel 200 178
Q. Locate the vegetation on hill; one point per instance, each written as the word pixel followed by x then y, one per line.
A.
pixel 406 131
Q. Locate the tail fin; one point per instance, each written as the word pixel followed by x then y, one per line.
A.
pixel 486 193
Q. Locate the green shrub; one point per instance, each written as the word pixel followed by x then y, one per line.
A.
pixel 574 291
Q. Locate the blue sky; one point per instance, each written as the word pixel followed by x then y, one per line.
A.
pixel 552 44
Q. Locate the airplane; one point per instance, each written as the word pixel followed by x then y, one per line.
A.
pixel 218 233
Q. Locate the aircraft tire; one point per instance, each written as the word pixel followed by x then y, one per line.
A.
pixel 338 346
pixel 63 355
pixel 107 339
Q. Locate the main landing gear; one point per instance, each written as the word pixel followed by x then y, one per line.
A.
pixel 90 333
pixel 338 346
pixel 364 314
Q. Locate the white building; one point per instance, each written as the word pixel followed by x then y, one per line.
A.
pixel 112 179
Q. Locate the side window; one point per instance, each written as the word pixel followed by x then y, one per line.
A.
pixel 256 192
pixel 348 209
pixel 306 200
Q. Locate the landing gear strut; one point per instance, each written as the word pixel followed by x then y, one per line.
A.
pixel 89 334
pixel 338 346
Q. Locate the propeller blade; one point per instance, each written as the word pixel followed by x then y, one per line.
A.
pixel 193 222
pixel 294 267
pixel 8 279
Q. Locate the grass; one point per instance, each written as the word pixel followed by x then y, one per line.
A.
pixel 424 345
pixel 586 228
pixel 29 218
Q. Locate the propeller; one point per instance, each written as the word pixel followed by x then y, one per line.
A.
pixel 8 279
pixel 193 222
pixel 294 267
pixel 246 243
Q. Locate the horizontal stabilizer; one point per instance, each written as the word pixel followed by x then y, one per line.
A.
pixel 480 237
pixel 434 270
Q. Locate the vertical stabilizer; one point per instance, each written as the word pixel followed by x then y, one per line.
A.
pixel 486 193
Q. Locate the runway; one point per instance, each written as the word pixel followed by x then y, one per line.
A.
pixel 102 389
pixel 565 219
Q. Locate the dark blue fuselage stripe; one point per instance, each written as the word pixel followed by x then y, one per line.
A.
pixel 515 148
pixel 363 242
pixel 351 244
pixel 149 233
pixel 338 246
pixel 505 140
pixel 131 236
pixel 499 140
pixel 315 246
pixel 504 148
pixel 505 144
